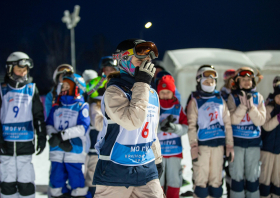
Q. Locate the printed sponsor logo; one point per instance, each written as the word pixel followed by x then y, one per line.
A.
pixel 10 99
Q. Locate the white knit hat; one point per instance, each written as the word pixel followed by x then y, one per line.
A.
pixel 89 74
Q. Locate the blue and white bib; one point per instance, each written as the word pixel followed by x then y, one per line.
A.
pixel 66 116
pixel 132 148
pixel 170 142
pixel 246 128
pixel 210 117
pixel 16 113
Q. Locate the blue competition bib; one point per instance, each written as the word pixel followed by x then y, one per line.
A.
pixel 246 129
pixel 170 142
pixel 16 112
pixel 210 117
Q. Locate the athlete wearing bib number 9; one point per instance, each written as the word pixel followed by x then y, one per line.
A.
pixel 21 114
pixel 209 130
pixel 127 145
pixel 248 113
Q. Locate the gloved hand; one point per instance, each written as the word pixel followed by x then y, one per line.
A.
pixel 55 139
pixel 159 169
pixel 66 145
pixel 230 153
pixel 243 98
pixel 3 148
pixel 41 144
pixel 145 72
pixel 194 152
pixel 167 124
pixel 250 102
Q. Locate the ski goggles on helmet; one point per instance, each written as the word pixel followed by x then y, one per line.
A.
pixel 65 69
pixel 22 63
pixel 107 61
pixel 141 51
pixel 210 74
pixel 246 73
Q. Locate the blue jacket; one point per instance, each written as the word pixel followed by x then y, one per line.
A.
pixel 111 174
pixel 271 139
pixel 71 116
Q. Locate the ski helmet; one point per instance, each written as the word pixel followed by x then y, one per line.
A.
pixel 107 61
pixel 204 72
pixel 229 73
pixel 133 47
pixel 95 85
pixel 62 69
pixel 19 59
pixel 243 72
pixel 80 85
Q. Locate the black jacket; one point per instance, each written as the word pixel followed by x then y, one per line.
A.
pixel 26 148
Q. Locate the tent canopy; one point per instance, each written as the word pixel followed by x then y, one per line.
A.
pixel 183 64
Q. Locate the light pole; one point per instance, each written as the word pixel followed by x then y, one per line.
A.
pixel 147 26
pixel 71 22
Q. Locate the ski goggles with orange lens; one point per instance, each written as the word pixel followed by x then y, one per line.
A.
pixel 210 73
pixel 141 51
pixel 246 73
pixel 65 69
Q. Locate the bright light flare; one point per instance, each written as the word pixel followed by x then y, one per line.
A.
pixel 148 25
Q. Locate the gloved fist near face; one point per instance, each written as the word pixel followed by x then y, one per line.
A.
pixel 145 72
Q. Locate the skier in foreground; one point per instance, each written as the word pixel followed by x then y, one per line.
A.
pixel 129 151
pixel 21 113
pixel 67 126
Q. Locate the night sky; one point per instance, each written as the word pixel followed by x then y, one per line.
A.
pixel 35 27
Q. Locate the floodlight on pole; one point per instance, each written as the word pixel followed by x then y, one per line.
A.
pixel 71 21
pixel 148 25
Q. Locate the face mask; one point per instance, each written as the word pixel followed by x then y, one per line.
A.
pixel 127 66
pixel 205 88
pixel 58 89
pixel 19 79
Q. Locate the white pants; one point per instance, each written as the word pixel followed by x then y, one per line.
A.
pixel 17 176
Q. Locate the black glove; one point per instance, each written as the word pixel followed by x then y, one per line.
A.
pixel 159 169
pixel 145 72
pixel 66 145
pixel 41 144
pixel 3 148
pixel 167 124
pixel 55 139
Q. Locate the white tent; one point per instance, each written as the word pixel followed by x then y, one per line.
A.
pixel 183 65
pixel 268 62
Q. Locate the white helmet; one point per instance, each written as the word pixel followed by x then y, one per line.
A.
pixel 20 59
pixel 201 72
pixel 62 69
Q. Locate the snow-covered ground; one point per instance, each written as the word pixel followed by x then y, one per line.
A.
pixel 42 167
